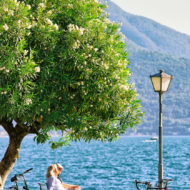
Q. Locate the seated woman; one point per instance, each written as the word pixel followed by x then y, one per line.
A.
pixel 54 183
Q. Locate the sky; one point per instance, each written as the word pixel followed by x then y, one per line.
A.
pixel 172 13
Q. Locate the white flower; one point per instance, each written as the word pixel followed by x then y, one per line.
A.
pixel 41 5
pixel 119 63
pixel 76 27
pixel 124 87
pixel 76 45
pixel 89 47
pixel 29 7
pixel 56 26
pixel 49 12
pixel 37 69
pixel 118 30
pixel 5 26
pixel 106 66
pixel 17 3
pixel 34 23
pixel 95 49
pixel 28 101
pixel 19 23
pixel 2 68
pixel 71 27
pixel 80 83
pixel 101 10
pixel 11 12
pixel 81 31
pixel 25 52
pixel 6 9
pixel 107 20
pixel 89 70
pixel 70 6
pixel 28 25
pixel 31 17
pixel 7 71
pixel 4 92
pixel 49 21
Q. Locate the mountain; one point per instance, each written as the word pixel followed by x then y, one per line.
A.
pixel 149 34
pixel 152 47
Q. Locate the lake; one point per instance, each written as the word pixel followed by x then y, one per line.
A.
pixel 106 166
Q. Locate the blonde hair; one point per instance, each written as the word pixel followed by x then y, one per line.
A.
pixel 51 170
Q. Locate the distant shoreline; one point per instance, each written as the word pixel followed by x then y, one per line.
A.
pixel 130 136
pixel 3 134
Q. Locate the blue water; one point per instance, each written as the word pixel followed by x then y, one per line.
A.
pixel 106 166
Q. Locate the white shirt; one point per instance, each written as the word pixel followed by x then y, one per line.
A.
pixel 54 184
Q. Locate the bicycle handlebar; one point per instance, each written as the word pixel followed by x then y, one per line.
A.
pixel 15 178
pixel 148 184
pixel 144 183
pixel 27 171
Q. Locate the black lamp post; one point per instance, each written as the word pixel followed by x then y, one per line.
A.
pixel 161 82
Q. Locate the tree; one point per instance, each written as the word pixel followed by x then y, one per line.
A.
pixel 63 67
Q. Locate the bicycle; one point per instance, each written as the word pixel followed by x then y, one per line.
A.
pixel 16 178
pixel 148 185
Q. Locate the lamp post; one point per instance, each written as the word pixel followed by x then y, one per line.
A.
pixel 161 82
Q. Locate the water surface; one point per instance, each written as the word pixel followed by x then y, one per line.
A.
pixel 106 166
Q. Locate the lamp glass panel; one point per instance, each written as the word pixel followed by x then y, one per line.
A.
pixel 165 83
pixel 156 83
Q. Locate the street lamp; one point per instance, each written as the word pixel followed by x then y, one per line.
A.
pixel 161 82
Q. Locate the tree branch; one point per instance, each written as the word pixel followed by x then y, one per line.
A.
pixel 7 125
pixel 27 127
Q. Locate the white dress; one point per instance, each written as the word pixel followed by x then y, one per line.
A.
pixel 54 184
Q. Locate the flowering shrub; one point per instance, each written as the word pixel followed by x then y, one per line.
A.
pixel 63 65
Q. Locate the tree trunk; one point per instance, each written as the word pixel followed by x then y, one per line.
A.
pixel 10 157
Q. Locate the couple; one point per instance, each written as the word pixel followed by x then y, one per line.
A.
pixel 53 180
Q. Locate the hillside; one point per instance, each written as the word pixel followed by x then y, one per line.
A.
pixel 176 112
pixel 152 47
pixel 149 34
